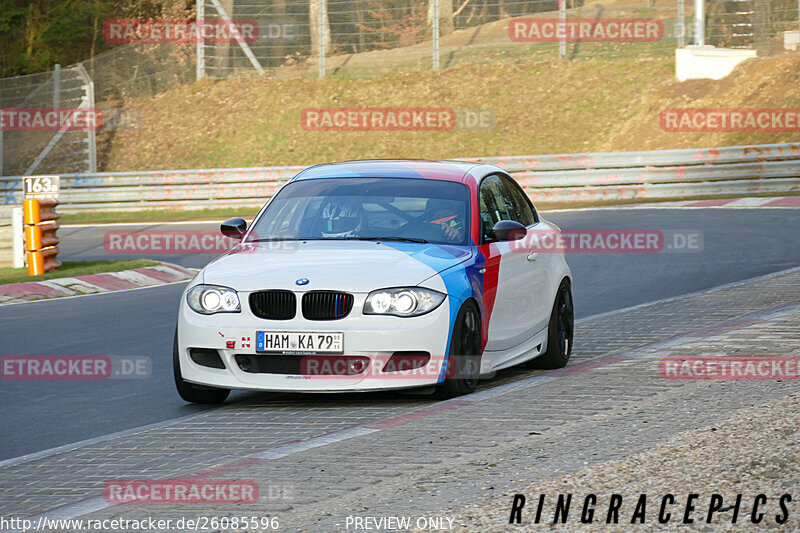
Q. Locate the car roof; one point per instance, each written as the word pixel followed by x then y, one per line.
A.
pixel 390 168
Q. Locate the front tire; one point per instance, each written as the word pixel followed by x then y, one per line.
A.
pixel 190 392
pixel 464 360
pixel 560 331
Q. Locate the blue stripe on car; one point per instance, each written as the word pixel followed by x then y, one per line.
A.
pixel 461 281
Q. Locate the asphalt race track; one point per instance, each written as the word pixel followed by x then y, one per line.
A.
pixel 37 415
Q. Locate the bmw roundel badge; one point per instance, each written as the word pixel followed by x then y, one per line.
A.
pixel 302 281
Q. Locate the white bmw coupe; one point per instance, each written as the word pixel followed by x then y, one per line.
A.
pixel 371 275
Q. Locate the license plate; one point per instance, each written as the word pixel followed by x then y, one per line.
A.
pixel 299 342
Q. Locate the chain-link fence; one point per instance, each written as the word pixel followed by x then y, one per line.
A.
pixel 756 24
pixel 366 37
pixel 357 38
pixel 41 131
pixel 141 70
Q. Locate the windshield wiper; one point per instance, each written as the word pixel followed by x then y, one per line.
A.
pixel 395 239
pixel 275 239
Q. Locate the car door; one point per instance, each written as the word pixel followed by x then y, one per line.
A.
pixel 515 313
pixel 538 289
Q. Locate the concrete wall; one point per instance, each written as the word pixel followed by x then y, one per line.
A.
pixel 696 62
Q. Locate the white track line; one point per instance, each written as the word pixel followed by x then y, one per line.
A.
pixel 60 298
pixel 110 224
pixel 693 293
pixel 314 442
pixel 95 440
pixel 480 395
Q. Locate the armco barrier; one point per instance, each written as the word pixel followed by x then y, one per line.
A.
pixel 772 168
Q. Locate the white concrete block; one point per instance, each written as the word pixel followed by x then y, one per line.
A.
pixel 791 40
pixel 709 62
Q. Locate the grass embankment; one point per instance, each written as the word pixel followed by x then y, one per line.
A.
pixel 73 268
pixel 585 105
pixel 605 97
pixel 155 217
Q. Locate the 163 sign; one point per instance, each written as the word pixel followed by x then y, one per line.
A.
pixel 40 187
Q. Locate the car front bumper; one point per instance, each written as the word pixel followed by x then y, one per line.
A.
pixel 373 337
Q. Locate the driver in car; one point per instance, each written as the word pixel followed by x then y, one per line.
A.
pixel 342 218
pixel 448 220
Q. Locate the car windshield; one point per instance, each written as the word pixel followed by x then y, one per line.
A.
pixel 402 209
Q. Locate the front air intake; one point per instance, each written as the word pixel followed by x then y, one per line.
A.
pixel 274 304
pixel 326 305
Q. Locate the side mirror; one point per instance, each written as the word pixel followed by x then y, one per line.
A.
pixel 508 230
pixel 234 228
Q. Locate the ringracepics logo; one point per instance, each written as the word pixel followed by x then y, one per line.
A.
pixel 181 492
pixel 180 31
pixel 74 367
pixel 533 30
pixel 648 509
pixel 396 119
pixel 50 119
pixel 729 120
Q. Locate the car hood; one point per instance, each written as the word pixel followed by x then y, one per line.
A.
pixel 353 266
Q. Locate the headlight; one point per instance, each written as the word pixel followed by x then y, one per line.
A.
pixel 210 299
pixel 411 301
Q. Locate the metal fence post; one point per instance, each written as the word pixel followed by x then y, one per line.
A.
pixel 680 24
pixel 57 86
pixel 562 20
pixel 435 34
pixel 321 5
pixel 201 44
pixel 699 22
pixel 91 137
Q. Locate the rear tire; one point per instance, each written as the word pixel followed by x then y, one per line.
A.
pixel 560 331
pixel 189 391
pixel 464 360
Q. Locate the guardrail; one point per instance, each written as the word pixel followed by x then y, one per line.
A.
pixel 770 168
pixel 12 241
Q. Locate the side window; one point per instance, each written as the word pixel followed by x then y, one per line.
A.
pixel 492 203
pixel 522 206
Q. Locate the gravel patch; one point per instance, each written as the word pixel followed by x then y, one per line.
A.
pixel 753 452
